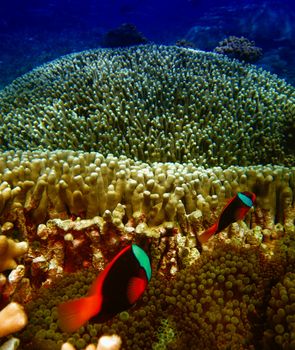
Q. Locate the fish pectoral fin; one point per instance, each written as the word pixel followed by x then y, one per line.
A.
pixel 135 288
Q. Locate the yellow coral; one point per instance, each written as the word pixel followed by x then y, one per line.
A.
pixel 9 251
pixel 61 183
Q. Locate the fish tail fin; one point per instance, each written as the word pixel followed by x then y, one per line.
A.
pixel 74 313
pixel 203 237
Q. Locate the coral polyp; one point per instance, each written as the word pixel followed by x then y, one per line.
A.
pixel 154 104
pixel 216 302
pixel 187 131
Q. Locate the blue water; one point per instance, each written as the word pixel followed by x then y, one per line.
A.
pixel 35 31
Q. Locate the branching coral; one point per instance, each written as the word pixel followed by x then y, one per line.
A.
pixel 61 184
pixel 9 251
pixel 152 103
pixel 240 48
pixel 93 203
pixel 77 208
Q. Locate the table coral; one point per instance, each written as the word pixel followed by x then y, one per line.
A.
pixel 152 103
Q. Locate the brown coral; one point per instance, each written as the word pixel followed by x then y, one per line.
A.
pixel 281 315
pixel 216 303
pixel 240 48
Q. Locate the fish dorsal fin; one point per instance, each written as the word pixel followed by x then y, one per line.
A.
pixel 135 288
pixel 245 199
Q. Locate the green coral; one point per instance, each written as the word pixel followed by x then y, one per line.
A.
pixel 152 103
pixel 166 335
pixel 217 302
pixel 280 332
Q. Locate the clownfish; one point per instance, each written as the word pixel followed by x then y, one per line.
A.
pixel 236 209
pixel 115 289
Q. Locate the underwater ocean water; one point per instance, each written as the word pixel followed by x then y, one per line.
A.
pixel 34 32
pixel 147 175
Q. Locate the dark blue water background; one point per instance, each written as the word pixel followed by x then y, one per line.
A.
pixel 35 31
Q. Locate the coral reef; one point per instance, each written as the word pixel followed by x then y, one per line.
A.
pixel 125 35
pixel 241 48
pixel 76 210
pixel 64 202
pixel 216 303
pixel 38 186
pixel 152 103
pixel 166 115
pixel 281 314
pixel 185 43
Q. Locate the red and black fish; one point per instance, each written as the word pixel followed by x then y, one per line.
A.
pixel 236 209
pixel 115 289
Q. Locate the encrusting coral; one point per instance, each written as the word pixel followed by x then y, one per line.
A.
pixel 166 115
pixel 152 103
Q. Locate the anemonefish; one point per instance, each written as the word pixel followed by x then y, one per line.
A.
pixel 236 209
pixel 115 289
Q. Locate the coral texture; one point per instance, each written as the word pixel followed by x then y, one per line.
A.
pixel 62 184
pixel 240 48
pixel 65 202
pixel 152 103
pixel 78 209
pixel 9 250
pixel 159 117
pixel 216 303
pixel 281 314
pixel 13 318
